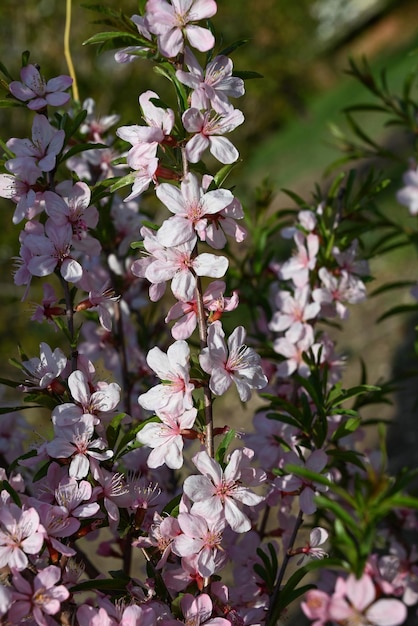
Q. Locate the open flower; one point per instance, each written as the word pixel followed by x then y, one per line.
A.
pixel 166 438
pixel 213 86
pixel 191 206
pixel 354 602
pixel 174 394
pixel 217 492
pixel 20 534
pixel 37 92
pixel 172 22
pixel 236 363
pixel 42 597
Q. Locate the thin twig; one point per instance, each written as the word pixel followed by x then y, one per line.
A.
pixel 285 562
pixel 67 52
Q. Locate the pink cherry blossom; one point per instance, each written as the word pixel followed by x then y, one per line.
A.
pixel 317 537
pixel 76 442
pixel 217 492
pixel 177 264
pixel 41 598
pixel 52 250
pixel 6 599
pixel 21 533
pixel 174 395
pixel 354 601
pixel 191 205
pixel 41 152
pixel 75 496
pixel 100 402
pixel 198 610
pixel 57 524
pixel 159 121
pixel 20 190
pixel 39 93
pixel 212 86
pixel 166 438
pixel 93 126
pixel 293 311
pixel 130 53
pixel 161 535
pixel 223 223
pixel 306 489
pixel 336 291
pixel 100 298
pixel 293 347
pixel 72 207
pixel 235 363
pixel 297 268
pixel 44 370
pixel 214 302
pixel 203 538
pixel 209 128
pixel 172 22
pixel 316 606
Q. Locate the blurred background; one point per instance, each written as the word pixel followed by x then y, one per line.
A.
pixel 301 49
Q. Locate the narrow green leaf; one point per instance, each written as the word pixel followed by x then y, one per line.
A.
pixel 402 308
pixel 224 446
pixel 237 44
pixel 222 174
pixel 81 147
pixel 4 410
pixel 113 430
pixel 106 37
pixel 4 484
pixel 6 72
pixel 9 103
pixel 246 74
pixel 123 182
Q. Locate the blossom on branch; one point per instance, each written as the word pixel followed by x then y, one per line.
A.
pixel 172 22
pixel 232 363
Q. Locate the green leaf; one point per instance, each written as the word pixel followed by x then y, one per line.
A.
pixel 130 436
pixel 81 147
pixel 106 37
pixel 289 591
pixel 398 284
pixel 27 455
pixel 297 199
pixel 246 75
pixel 42 471
pixel 237 44
pixel 172 507
pixel 347 456
pixel 365 107
pixel 105 584
pixel 354 391
pixel 340 513
pixel 4 484
pixel 8 103
pixel 113 430
pixel 12 409
pixel 9 383
pixel 224 445
pixel 402 308
pixel 346 428
pixel 222 174
pixel 123 182
pixel 6 72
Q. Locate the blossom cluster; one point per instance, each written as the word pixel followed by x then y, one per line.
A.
pixel 132 446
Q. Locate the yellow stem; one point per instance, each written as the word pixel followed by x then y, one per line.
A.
pixel 67 52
